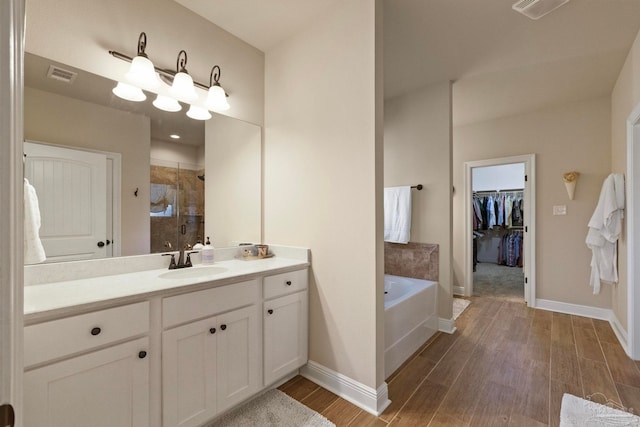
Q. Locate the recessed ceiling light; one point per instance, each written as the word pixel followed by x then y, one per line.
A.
pixel 174 136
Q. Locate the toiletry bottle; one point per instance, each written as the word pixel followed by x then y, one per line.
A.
pixel 198 246
pixel 207 253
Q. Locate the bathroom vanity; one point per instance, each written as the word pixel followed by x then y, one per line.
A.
pixel 159 347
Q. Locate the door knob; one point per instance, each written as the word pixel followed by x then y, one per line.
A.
pixel 100 244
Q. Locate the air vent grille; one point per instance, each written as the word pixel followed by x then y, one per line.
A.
pixel 536 9
pixel 61 74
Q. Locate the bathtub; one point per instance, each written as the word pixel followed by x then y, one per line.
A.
pixel 410 318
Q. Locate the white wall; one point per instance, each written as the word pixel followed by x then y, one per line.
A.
pixel 322 185
pixel 564 138
pixel 417 150
pixel 189 156
pixel 80 33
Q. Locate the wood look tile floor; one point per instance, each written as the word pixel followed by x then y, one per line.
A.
pixel 505 365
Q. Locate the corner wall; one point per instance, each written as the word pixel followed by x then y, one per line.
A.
pixel 322 185
pixel 564 138
pixel 417 150
pixel 624 97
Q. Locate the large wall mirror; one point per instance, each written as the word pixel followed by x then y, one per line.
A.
pixel 157 189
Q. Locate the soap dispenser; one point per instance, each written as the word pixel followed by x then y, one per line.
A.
pixel 198 246
pixel 207 252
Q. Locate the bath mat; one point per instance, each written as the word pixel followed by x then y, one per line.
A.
pixel 459 305
pixel 585 413
pixel 273 408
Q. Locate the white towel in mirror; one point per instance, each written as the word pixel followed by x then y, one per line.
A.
pixel 33 250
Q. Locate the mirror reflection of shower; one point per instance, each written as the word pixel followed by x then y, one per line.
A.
pixel 176 204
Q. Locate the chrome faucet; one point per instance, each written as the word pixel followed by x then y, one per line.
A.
pixel 182 263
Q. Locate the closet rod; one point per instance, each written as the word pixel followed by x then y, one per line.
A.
pixel 417 187
pixel 512 190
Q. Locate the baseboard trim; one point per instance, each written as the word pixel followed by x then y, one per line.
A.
pixel 459 290
pixel 576 309
pixel 446 325
pixel 364 397
pixel 588 311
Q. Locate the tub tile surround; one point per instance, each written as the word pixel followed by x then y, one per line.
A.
pixel 417 260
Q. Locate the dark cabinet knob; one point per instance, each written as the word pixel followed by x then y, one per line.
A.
pixel 270 311
pixel 100 244
pixel 212 330
pixel 142 354
pixel 95 331
pixel 288 282
pixel 223 327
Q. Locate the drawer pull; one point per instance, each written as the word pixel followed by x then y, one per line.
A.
pixel 96 331
pixel 212 330
pixel 288 282
pixel 142 354
pixel 223 327
pixel 270 311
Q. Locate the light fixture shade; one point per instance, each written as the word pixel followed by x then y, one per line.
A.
pixel 216 99
pixel 166 103
pixel 198 113
pixel 142 73
pixel 182 88
pixel 128 92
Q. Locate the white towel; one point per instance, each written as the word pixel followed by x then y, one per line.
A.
pixel 33 250
pixel 397 214
pixel 605 226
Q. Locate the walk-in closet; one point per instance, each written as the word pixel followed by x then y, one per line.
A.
pixel 498 231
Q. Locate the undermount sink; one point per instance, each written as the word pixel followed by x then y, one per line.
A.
pixel 192 272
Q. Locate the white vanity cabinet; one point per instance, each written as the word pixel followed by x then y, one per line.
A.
pixel 285 312
pixel 88 370
pixel 213 363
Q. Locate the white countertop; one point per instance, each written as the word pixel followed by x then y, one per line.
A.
pixel 57 299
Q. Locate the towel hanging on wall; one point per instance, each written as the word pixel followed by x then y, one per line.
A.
pixel 397 214
pixel 604 229
pixel 33 250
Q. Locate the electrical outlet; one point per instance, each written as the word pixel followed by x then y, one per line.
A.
pixel 560 210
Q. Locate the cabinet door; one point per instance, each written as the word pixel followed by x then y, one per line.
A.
pixel 285 335
pixel 189 373
pixel 239 356
pixel 105 388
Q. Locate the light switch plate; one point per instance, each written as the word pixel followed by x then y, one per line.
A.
pixel 560 210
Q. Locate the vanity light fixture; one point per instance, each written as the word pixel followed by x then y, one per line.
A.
pixel 198 113
pixel 216 96
pixel 142 73
pixel 166 103
pixel 128 92
pixel 182 87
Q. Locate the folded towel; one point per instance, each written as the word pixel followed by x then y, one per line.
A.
pixel 605 226
pixel 33 250
pixel 397 214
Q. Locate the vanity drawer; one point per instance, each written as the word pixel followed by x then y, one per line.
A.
pixel 285 283
pixel 197 305
pixel 59 338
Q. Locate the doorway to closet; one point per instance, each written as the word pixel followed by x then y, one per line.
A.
pixel 499 228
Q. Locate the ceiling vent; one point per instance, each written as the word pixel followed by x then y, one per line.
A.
pixel 61 74
pixel 536 9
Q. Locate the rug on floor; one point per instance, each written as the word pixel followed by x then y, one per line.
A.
pixel 578 412
pixel 459 305
pixel 273 408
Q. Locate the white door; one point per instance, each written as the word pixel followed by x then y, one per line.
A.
pixel 72 193
pixel 189 373
pixel 239 356
pixel 105 388
pixel 285 335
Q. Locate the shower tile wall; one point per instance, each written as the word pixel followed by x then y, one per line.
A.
pixel 190 210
